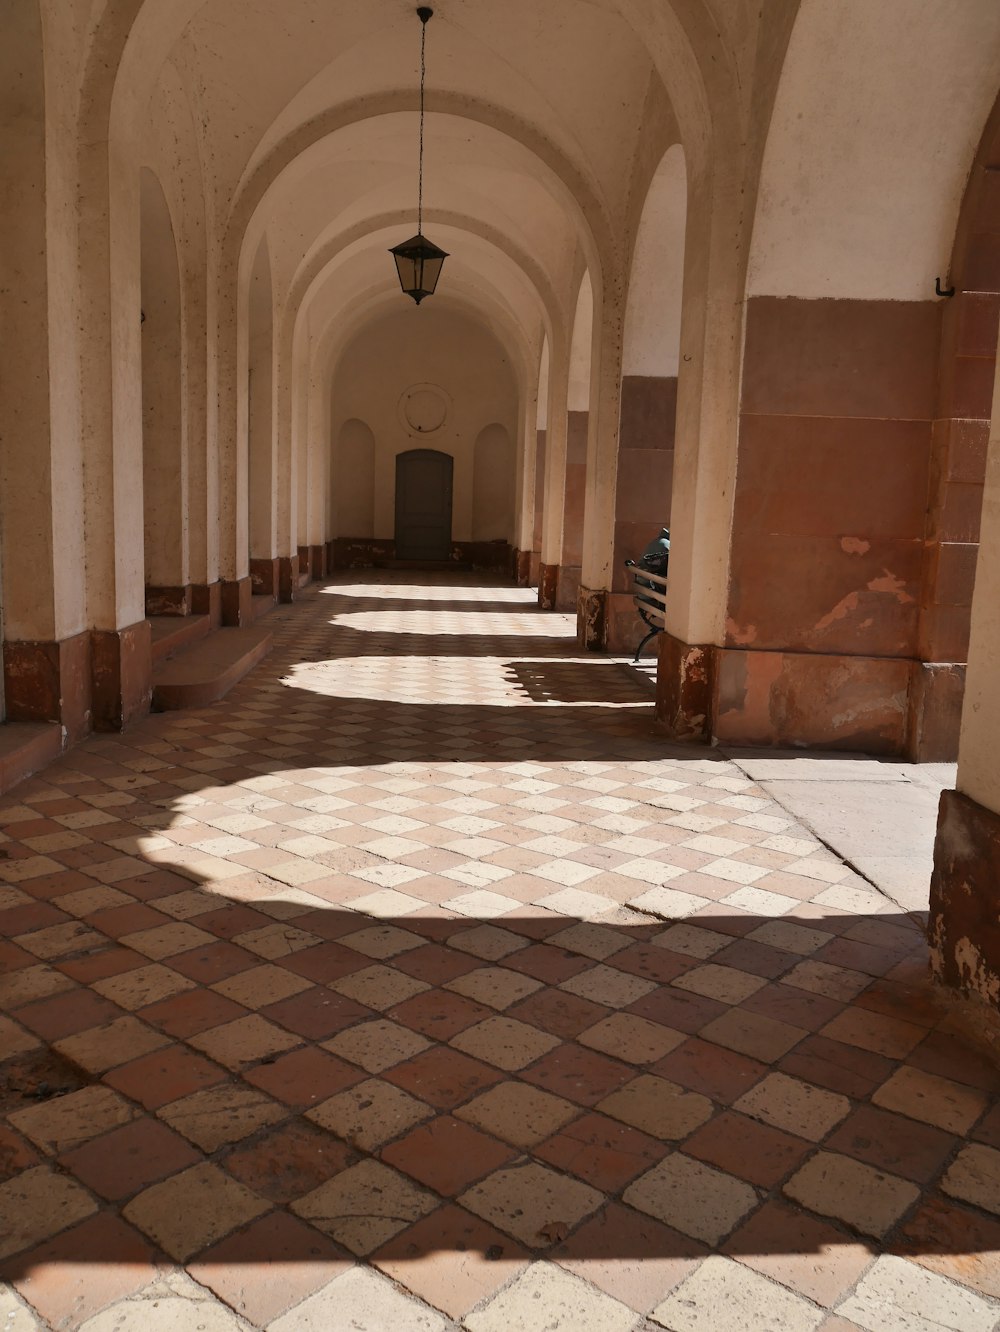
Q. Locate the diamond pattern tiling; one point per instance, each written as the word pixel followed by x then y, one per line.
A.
pixel 421 981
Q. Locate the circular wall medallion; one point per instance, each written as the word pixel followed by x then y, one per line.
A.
pixel 424 408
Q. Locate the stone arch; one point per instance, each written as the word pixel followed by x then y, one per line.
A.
pixel 493 484
pixel 164 452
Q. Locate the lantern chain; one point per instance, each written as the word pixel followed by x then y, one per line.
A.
pixel 420 180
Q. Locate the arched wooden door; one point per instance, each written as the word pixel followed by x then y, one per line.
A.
pixel 423 505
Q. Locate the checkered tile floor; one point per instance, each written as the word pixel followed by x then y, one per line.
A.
pixel 421 985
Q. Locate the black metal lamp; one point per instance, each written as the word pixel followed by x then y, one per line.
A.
pixel 418 261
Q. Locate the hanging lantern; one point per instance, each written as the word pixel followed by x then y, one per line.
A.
pixel 418 260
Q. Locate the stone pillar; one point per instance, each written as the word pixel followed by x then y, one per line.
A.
pixel 828 523
pixel 601 473
pixel 643 492
pixel 964 926
pixel 555 479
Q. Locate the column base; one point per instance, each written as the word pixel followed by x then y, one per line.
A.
pixel 535 568
pixel 288 577
pixel 522 568
pixel 50 682
pixel 964 926
pixel 568 588
pixel 685 688
pixel 937 690
pixel 237 595
pixel 168 600
pixel 264 577
pixel 305 570
pixel 625 630
pixel 122 675
pixel 592 619
pixel 548 579
pixel 317 562
pixel 206 599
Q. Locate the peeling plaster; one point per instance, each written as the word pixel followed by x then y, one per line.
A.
pixel 855 545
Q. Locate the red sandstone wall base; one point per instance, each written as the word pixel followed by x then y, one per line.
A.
pixel 685 680
pixel 964 926
pixel 50 682
pixel 288 577
pixel 592 619
pixel 122 675
pixel 876 705
pixel 522 573
pixel 168 600
pixel 264 577
pixel 568 588
pixel 937 691
pixel 548 579
pixel 206 599
pixel 317 562
pixel 236 601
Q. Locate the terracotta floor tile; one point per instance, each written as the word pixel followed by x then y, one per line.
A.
pixel 84 1270
pixel 65 1015
pixel 545 1291
pixel 755 1152
pixel 63 1122
pixel 894 1143
pixel 192 1012
pixel 505 1042
pixel 189 1211
pixel 696 1199
pixel 269 1266
pixel 838 1067
pixel 38 1204
pixel 532 1203
pixel 215 961
pixel 377 1045
pixel 561 1014
pixel 365 1206
pixel 287 1162
pixel 451 1259
pixel 869 1200
pixel 216 1116
pixel 446 1154
pixel 582 1076
pixel 809 1256
pixel 127 1159
pixel 710 1069
pixel 164 1076
pixel 443 1077
pixel 631 1257
pixel 244 1041
pixel 601 1151
pixel 518 1114
pixel 16 1154
pixel 955 1242
pixel 658 1107
pixel 303 1078
pixel 369 1114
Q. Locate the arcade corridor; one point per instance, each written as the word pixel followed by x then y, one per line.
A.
pixel 420 984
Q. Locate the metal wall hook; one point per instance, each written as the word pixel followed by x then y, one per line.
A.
pixel 943 291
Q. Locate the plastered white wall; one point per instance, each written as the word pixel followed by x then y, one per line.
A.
pixel 878 114
pixel 432 344
pixel 653 311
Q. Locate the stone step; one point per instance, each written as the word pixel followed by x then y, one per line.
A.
pixel 25 747
pixel 261 604
pixel 209 669
pixel 174 633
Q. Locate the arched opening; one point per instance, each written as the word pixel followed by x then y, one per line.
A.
pixel 436 374
pixel 261 489
pixel 164 455
pixel 650 365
